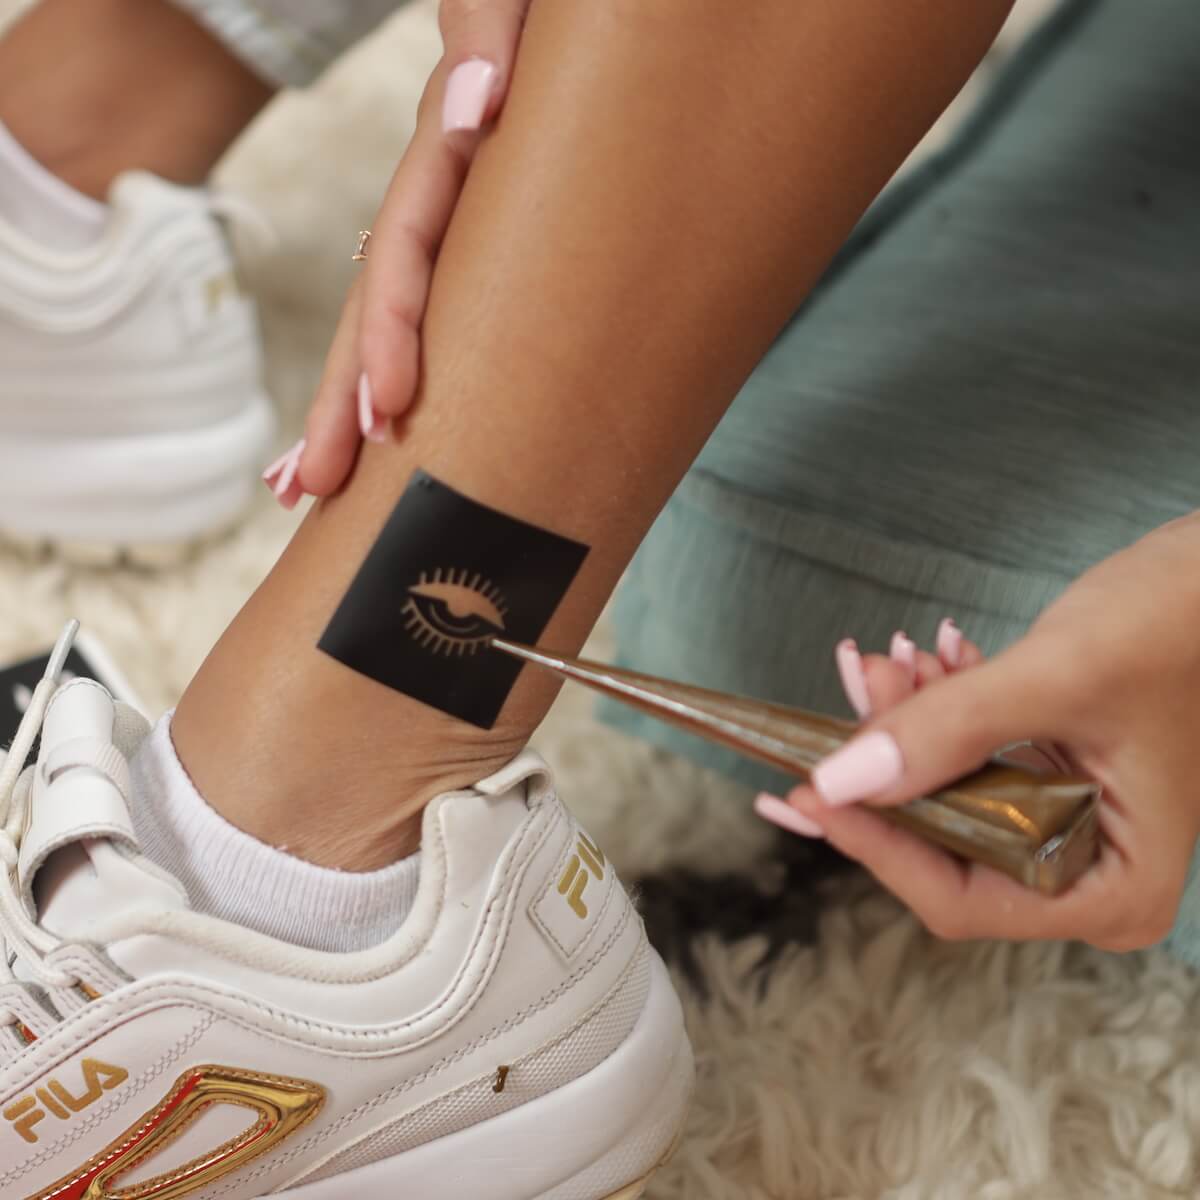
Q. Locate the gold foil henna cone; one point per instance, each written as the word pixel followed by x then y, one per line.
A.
pixel 1038 827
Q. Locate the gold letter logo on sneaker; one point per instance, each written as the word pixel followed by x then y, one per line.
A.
pixel 282 1106
pixel 218 288
pixel 98 1078
pixel 454 612
pixel 574 880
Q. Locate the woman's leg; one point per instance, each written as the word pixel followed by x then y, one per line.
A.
pixel 92 88
pixel 664 187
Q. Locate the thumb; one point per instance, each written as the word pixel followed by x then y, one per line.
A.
pixel 944 731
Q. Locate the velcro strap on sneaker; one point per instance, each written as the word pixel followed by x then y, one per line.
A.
pixel 70 805
pixel 96 753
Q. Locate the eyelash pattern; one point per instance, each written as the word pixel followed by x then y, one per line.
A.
pixel 453 612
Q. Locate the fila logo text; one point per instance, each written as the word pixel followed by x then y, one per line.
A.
pixel 574 879
pixel 56 1099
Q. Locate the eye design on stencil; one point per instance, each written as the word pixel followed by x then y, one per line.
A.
pixel 454 612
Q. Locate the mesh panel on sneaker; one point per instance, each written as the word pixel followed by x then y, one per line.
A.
pixel 569 1056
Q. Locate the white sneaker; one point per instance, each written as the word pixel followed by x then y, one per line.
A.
pixel 132 412
pixel 515 1038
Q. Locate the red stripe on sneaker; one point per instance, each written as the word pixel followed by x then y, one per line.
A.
pixel 75 1189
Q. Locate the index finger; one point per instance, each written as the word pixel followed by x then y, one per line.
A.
pixel 406 237
pixel 480 36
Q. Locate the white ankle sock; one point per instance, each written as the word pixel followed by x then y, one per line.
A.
pixel 231 875
pixel 41 205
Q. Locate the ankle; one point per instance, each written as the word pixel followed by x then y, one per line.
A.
pixel 235 877
pixel 303 785
pixel 77 161
pixel 40 205
pixel 72 143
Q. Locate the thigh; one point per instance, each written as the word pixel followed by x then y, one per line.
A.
pixel 1009 372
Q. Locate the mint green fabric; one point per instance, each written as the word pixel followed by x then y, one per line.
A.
pixel 995 388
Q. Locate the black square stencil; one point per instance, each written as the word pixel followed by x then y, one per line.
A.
pixel 446 574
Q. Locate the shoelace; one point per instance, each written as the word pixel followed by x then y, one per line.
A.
pixel 20 936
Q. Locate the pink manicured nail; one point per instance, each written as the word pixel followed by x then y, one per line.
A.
pixel 289 465
pixel 864 767
pixel 373 426
pixel 274 469
pixel 854 678
pixel 292 496
pixel 780 813
pixel 467 93
pixel 949 643
pixel 904 651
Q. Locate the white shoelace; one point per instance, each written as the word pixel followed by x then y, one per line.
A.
pixel 20 936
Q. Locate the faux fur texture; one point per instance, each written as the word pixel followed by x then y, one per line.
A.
pixel 873 1063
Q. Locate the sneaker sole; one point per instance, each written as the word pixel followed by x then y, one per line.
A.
pixel 148 499
pixel 636 1190
pixel 621 1119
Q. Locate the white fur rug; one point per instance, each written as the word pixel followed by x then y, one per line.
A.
pixel 878 1063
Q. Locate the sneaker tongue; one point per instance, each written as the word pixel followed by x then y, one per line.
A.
pixel 87 885
pixel 80 865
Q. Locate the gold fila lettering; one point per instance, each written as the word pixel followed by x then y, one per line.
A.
pixel 57 1100
pixel 587 858
pixel 219 288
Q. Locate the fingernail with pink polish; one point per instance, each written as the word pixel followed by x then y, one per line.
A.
pixel 373 426
pixel 854 678
pixel 273 470
pixel 286 486
pixel 468 91
pixel 865 767
pixel 949 643
pixel 904 651
pixel 781 813
pixel 292 496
